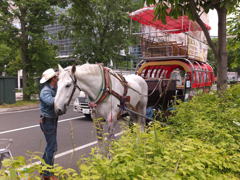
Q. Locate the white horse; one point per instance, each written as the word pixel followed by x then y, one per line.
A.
pixel 97 81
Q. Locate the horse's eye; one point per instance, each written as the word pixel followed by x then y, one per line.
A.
pixel 68 85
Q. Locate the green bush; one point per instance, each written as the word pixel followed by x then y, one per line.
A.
pixel 200 142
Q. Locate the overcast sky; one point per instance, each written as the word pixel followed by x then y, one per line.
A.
pixel 213 22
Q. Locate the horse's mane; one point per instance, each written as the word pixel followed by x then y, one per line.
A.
pixel 89 69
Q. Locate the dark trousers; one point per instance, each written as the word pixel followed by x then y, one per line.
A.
pixel 49 129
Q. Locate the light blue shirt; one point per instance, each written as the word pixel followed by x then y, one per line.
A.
pixel 47 95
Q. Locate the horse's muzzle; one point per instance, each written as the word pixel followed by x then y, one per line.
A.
pixel 60 111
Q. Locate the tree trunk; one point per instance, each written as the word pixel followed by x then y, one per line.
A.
pixel 220 53
pixel 24 59
pixel 222 50
pixel 24 56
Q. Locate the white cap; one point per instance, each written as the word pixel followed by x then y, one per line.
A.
pixel 48 74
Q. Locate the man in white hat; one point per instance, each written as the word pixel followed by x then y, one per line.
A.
pixel 49 118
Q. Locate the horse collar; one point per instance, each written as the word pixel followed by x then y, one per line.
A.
pixel 104 89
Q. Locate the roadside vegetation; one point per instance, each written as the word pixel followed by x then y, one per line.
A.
pixel 20 104
pixel 200 142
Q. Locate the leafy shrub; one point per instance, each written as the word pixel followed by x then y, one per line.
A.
pixel 201 142
pixel 19 168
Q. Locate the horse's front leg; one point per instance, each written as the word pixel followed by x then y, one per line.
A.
pixel 98 122
pixel 111 124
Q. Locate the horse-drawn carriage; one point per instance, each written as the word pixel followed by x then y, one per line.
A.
pixel 174 63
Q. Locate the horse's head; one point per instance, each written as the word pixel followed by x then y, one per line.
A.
pixel 65 89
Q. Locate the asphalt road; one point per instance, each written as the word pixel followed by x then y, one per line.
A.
pixel 74 131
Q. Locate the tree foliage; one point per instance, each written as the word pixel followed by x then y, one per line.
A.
pixel 99 28
pixel 22 26
pixel 233 49
pixel 5 54
pixel 233 41
pixel 193 9
pixel 233 55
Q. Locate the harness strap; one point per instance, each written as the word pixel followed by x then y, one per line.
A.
pixel 74 88
pixel 107 90
pixel 123 99
pixel 122 81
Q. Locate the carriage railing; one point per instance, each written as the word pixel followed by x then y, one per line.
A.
pixel 163 44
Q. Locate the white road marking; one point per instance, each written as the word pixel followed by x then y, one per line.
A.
pixel 29 127
pixel 80 147
pixel 11 112
pixel 20 111
pixel 72 150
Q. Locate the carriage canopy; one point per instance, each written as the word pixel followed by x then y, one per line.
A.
pixel 181 24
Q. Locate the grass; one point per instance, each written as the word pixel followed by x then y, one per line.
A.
pixel 19 103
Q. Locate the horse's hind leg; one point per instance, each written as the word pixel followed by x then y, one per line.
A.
pixel 133 118
pixel 141 109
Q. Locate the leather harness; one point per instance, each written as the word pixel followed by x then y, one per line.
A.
pixel 107 89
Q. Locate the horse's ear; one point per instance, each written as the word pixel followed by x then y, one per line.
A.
pixel 60 68
pixel 73 69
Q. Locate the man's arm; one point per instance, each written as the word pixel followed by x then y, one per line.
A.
pixel 46 97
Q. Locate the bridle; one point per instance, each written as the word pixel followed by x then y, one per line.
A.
pixel 75 86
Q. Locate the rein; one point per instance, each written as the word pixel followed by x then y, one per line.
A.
pixel 74 88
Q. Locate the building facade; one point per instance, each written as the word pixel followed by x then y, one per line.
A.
pixel 65 48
